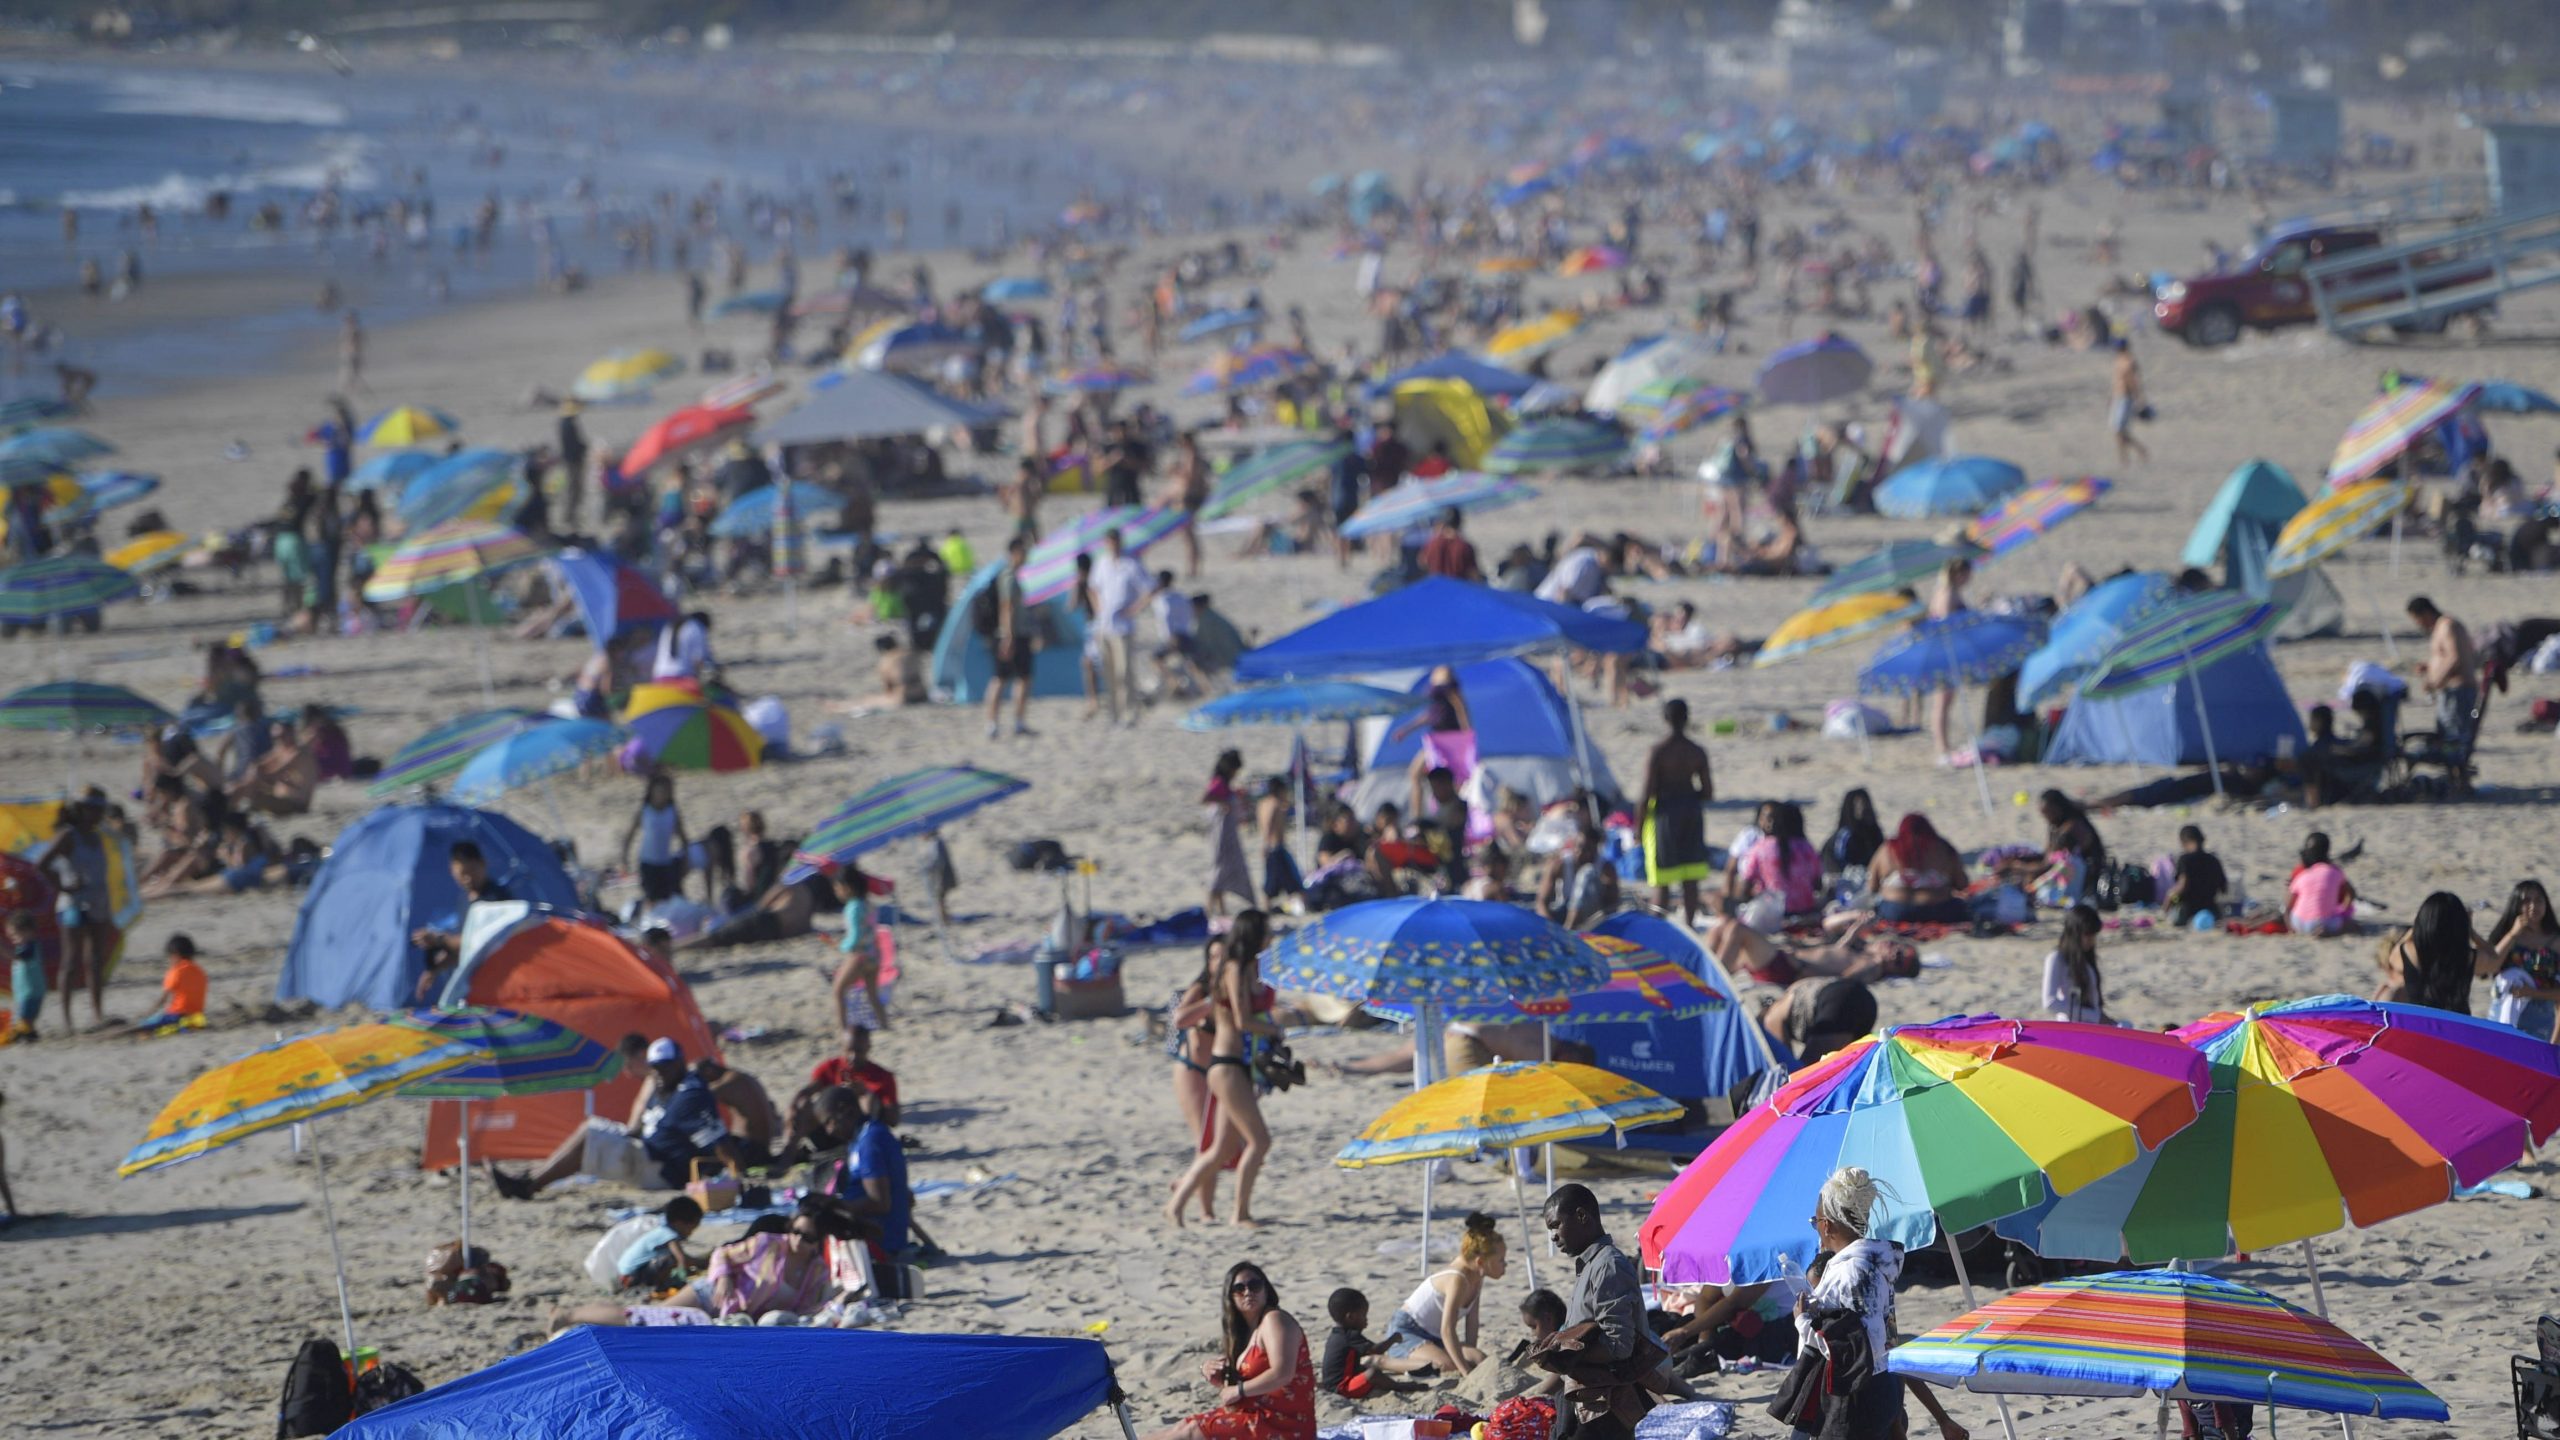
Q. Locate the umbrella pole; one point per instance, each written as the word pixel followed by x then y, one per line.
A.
pixel 1128 1428
pixel 1528 1237
pixel 2161 1430
pixel 2319 1307
pixel 1547 1152
pixel 480 642
pixel 2395 543
pixel 1425 1033
pixel 337 1257
pixel 1981 781
pixel 466 1184
pixel 1581 755
pixel 2204 722
pixel 2008 1427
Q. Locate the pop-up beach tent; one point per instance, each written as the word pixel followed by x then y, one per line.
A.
pixel 1525 740
pixel 964 664
pixel 1694 1059
pixel 388 875
pixel 2237 530
pixel 2243 698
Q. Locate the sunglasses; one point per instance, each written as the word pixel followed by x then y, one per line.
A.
pixel 1246 1286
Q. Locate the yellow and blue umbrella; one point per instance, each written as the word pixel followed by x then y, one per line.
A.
pixel 1531 338
pixel 2034 511
pixel 393 469
pixel 289 1081
pixel 1820 627
pixel 403 426
pixel 1506 1107
pixel 2333 522
pixel 625 375
pixel 478 484
pixel 151 551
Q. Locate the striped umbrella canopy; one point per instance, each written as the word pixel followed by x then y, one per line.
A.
pixel 1045 580
pixel 17 470
pixel 2333 522
pixel 1563 442
pixel 28 410
pixel 149 552
pixel 511 1054
pixel 894 810
pixel 104 490
pixel 625 375
pixel 448 747
pixel 448 554
pixel 1642 985
pixel 2324 1113
pixel 753 512
pixel 1435 952
pixel 289 1081
pixel 1649 373
pixel 2184 638
pixel 678 727
pixel 1592 259
pixel 1298 702
pixel 1948 485
pixel 522 757
pixel 2034 511
pixel 43 590
pixel 2168 1334
pixel 682 431
pixel 1900 564
pixel 481 484
pixel 79 705
pixel 1531 338
pixel 1245 369
pixel 1506 1107
pixel 1415 501
pixel 1820 627
pixel 1103 378
pixel 747 389
pixel 1688 410
pixel 393 469
pixel 406 425
pixel 1815 372
pixel 1970 647
pixel 2082 635
pixel 57 446
pixel 863 300
pixel 1966 1119
pixel 2388 425
pixel 1274 469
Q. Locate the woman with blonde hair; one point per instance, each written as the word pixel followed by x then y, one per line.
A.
pixel 1437 1323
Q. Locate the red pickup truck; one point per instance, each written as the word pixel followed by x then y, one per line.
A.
pixel 2264 289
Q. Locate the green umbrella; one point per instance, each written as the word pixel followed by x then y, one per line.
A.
pixel 448 747
pixel 79 705
pixel 45 590
pixel 1281 465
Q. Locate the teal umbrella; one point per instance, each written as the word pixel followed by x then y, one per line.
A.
pixel 57 445
pixel 525 757
pixel 1902 563
pixel 46 590
pixel 1564 443
pixel 895 809
pixel 79 705
pixel 1274 469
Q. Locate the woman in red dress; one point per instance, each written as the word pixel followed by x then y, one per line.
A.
pixel 1266 1388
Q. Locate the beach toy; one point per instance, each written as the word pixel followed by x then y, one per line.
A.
pixel 2019 799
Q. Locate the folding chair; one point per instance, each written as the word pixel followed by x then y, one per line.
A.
pixel 2537 1388
pixel 2424 750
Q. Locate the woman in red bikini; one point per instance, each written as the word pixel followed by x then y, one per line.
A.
pixel 1266 1388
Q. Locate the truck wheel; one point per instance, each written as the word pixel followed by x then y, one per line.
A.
pixel 2219 325
pixel 2429 325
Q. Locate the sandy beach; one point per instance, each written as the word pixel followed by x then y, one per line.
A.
pixel 170 1303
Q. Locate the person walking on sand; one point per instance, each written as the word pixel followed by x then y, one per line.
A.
pixel 573 464
pixel 351 352
pixel 1228 873
pixel 1005 621
pixel 2124 404
pixel 1232 1013
pixel 1120 591
pixel 1678 784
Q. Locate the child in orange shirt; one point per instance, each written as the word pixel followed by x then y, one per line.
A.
pixel 182 990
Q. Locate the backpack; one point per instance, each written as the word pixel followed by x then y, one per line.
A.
pixel 387 1383
pixel 317 1398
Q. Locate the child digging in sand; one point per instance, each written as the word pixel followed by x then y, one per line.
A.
pixel 1356 1366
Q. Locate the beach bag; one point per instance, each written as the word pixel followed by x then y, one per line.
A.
pixel 387 1383
pixel 714 1192
pixel 317 1397
pixel 454 1278
pixel 2005 905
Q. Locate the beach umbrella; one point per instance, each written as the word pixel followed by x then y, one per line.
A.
pixel 2324 1113
pixel 2082 635
pixel 56 446
pixel 2033 511
pixel 1815 372
pixel 478 484
pixel 1820 627
pixel 29 410
pixel 393 469
pixel 1307 702
pixel 2168 1334
pixel 79 705
pixel 871 404
pixel 1642 985
pixel 625 375
pixel 1430 952
pixel 511 1054
pixel 1051 576
pixel 752 302
pixel 684 431
pixel 1507 265
pixel 104 490
pixel 2333 522
pixel 1104 377
pixel 1967 1119
pixel 42 591
pixel 2386 427
pixel 613 598
pixel 1970 647
pixel 525 757
pixel 1012 289
pixel 1592 259
pixel 446 748
pixel 1222 322
pixel 1416 501
pixel 1691 405
pixel 402 426
pixel 1561 443
pixel 1900 565
pixel 151 551
pixel 2506 397
pixel 453 553
pixel 1505 1107
pixel 859 300
pixel 1245 369
pixel 897 809
pixel 755 385
pixel 1660 361
pixel 677 726
pixel 1949 485
pixel 2181 640
pixel 18 470
pixel 920 345
pixel 752 513
pixel 289 1082
pixel 1525 341
pixel 1278 468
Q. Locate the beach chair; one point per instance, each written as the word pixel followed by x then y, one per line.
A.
pixel 2537 1390
pixel 2422 751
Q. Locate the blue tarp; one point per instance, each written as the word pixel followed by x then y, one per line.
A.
pixel 1689 1059
pixel 1483 377
pixel 1434 621
pixel 698 1382
pixel 2243 696
pixel 963 664
pixel 389 874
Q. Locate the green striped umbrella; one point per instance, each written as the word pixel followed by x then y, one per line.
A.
pixel 448 747
pixel 1276 468
pixel 2181 642
pixel 1902 563
pixel 511 1054
pixel 895 809
pixel 1566 443
pixel 44 590
pixel 79 705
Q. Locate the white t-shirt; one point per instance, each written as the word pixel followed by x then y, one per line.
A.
pixel 1577 577
pixel 1118 585
pixel 2060 1002
pixel 682 652
pixel 2511 988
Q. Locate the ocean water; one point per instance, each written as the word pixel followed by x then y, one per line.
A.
pixel 563 157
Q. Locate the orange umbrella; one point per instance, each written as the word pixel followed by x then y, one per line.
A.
pixel 690 428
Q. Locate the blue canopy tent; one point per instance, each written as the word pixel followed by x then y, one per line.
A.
pixel 964 665
pixel 388 875
pixel 1525 740
pixel 1486 379
pixel 695 1382
pixel 2238 529
pixel 2242 695
pixel 1435 621
pixel 1698 1058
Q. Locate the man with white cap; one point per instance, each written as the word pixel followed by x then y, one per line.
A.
pixel 674 1122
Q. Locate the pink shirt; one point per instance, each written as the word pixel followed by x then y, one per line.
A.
pixel 2316 892
pixel 1794 878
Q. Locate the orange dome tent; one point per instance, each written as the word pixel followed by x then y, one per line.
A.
pixel 573 970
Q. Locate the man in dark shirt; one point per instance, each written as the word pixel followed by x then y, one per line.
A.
pixel 675 1122
pixel 440 940
pixel 1608 1293
pixel 1389 459
pixel 924 584
pixel 1124 464
pixel 573 464
pixel 1448 552
pixel 1348 487
pixel 2198 884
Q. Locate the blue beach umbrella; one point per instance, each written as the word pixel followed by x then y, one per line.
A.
pixel 393 469
pixel 59 446
pixel 612 598
pixel 914 346
pixel 512 762
pixel 1309 702
pixel 1971 647
pixel 1222 322
pixel 1953 485
pixel 458 484
pixel 1013 288
pixel 106 489
pixel 752 513
pixel 1815 372
pixel 448 747
pixel 1429 952
pixel 2506 397
pixel 2086 631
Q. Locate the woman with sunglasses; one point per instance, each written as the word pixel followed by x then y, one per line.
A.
pixel 1266 1388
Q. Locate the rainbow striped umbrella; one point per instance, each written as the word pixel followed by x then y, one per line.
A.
pixel 2324 1113
pixel 449 554
pixel 1691 408
pixel 2165 1333
pixel 289 1081
pixel 79 705
pixel 893 810
pixel 679 728
pixel 43 590
pixel 1416 501
pixel 448 747
pixel 1563 442
pixel 511 1054
pixel 2182 639
pixel 1280 466
pixel 1047 577
pixel 1841 622
pixel 522 757
pixel 1895 566
pixel 1506 1107
pixel 406 425
pixel 2035 510
pixel 1967 1119
pixel 2388 425
pixel 2333 522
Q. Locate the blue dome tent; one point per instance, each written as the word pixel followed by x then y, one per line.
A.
pixel 2243 696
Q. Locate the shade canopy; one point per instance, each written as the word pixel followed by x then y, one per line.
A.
pixel 1435 621
pixel 1815 372
pixel 872 404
